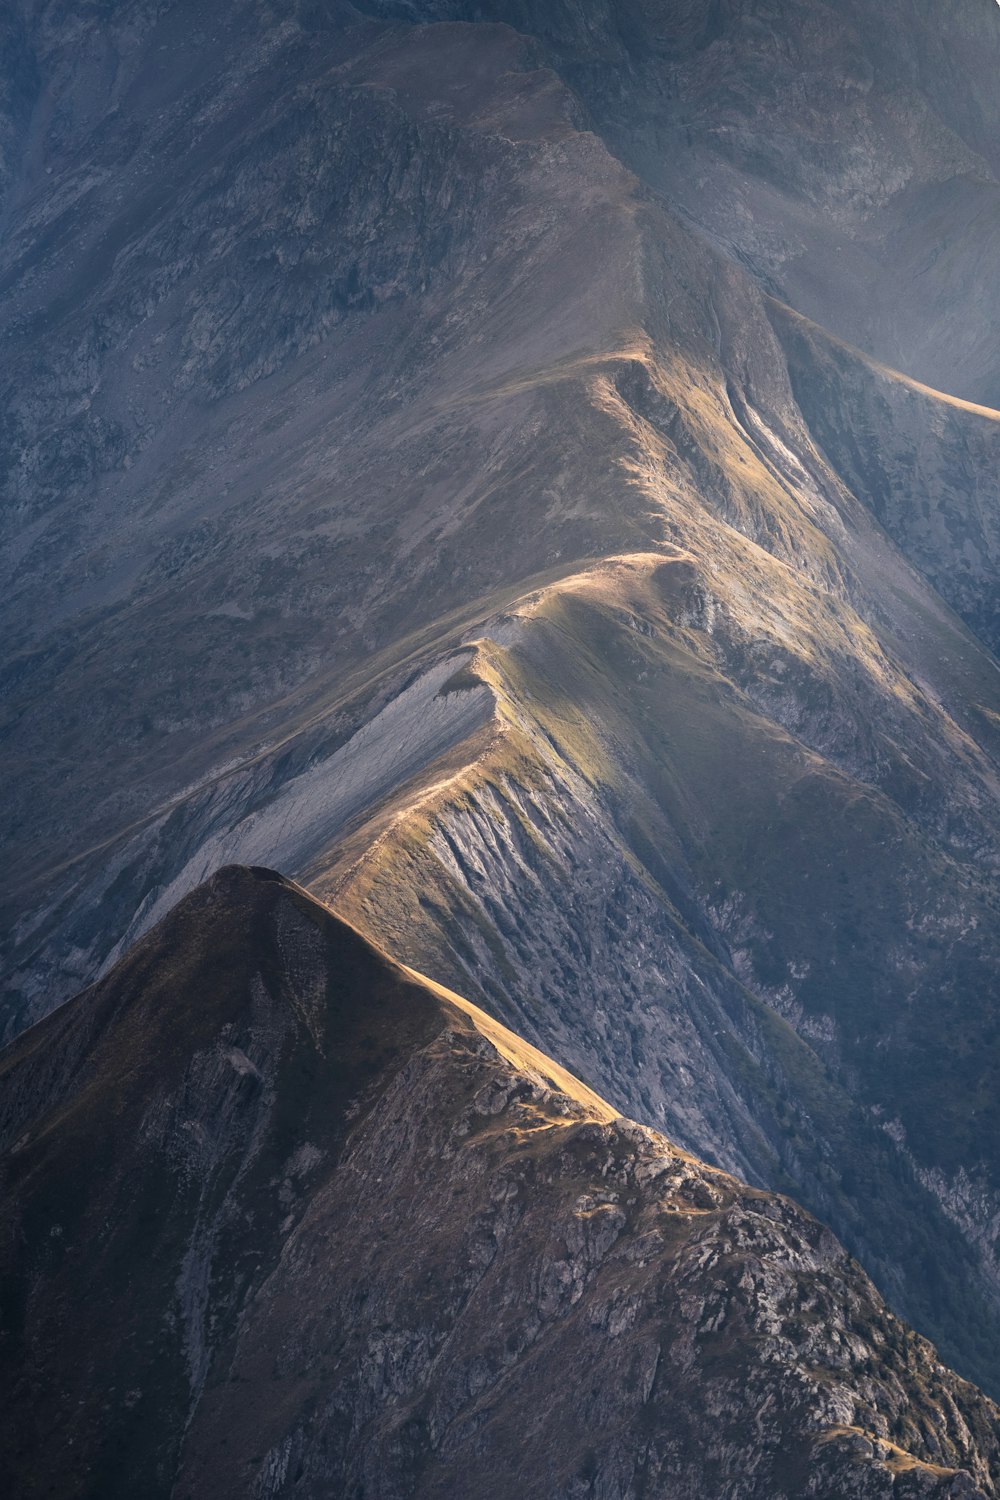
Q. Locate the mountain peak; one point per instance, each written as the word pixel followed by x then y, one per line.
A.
pixel 246 967
pixel 331 1172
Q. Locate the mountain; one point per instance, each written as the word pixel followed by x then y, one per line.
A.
pixel 530 472
pixel 846 154
pixel 281 1217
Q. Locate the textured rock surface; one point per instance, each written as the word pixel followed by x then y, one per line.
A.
pixel 630 877
pixel 280 1218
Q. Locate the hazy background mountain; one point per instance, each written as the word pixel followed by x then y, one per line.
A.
pixel 482 468
pixel 847 154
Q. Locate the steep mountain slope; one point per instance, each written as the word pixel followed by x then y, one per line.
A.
pixel 283 1218
pixel 847 153
pixel 648 853
pixel 213 555
pixel 400 489
pixel 925 464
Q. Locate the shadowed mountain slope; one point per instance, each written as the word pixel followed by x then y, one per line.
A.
pixel 845 153
pixel 282 1218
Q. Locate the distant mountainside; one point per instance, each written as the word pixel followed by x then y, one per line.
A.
pixel 530 473
pixel 282 1218
pixel 848 154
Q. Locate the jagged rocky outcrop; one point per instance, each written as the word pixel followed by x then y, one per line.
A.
pixel 282 1218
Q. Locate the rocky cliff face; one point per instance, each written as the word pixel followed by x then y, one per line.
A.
pixel 282 1218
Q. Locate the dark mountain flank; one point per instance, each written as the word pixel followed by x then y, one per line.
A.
pixel 529 470
pixel 282 1218
pixel 846 153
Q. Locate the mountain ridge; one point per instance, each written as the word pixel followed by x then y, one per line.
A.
pixel 295 1327
pixel 325 414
